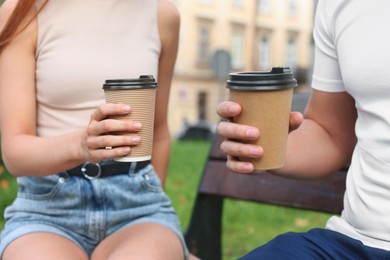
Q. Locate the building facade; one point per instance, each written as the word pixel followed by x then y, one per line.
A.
pixel 223 36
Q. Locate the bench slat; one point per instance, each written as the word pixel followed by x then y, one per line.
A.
pixel 325 194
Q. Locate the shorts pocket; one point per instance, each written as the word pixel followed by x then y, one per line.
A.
pixel 39 188
pixel 150 180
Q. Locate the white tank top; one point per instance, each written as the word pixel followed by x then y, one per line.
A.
pixel 81 43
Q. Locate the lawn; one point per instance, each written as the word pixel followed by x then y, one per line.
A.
pixel 245 224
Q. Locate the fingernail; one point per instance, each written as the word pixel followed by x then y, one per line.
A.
pixel 136 139
pixel 126 150
pixel 248 167
pixel 255 151
pixel 233 109
pixel 126 108
pixel 137 125
pixel 251 132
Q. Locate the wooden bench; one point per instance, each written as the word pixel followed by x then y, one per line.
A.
pixel 203 236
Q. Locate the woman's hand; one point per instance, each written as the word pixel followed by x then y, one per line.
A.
pixel 235 135
pixel 100 141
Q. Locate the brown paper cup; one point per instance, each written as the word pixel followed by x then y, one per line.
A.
pixel 266 104
pixel 140 94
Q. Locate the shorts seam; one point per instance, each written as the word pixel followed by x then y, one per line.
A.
pixel 35 228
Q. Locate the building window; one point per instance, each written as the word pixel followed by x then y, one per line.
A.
pixel 237 51
pixel 292 7
pixel 265 53
pixel 264 6
pixel 237 2
pixel 202 106
pixel 204 45
pixel 291 59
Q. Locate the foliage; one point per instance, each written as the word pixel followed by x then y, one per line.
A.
pixel 7 190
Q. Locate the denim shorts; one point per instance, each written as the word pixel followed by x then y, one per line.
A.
pixel 87 211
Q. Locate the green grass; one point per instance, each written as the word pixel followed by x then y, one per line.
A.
pixel 7 191
pixel 184 173
pixel 246 225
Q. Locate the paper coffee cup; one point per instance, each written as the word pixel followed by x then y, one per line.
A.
pixel 140 94
pixel 266 99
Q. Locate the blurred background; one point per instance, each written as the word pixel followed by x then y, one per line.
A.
pixel 222 36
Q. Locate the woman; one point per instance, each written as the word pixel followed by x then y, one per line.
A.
pixel 346 121
pixel 54 57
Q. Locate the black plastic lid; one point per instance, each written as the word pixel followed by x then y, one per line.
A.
pixel 277 78
pixel 144 81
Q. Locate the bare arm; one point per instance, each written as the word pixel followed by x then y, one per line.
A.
pixel 23 151
pixel 325 141
pixel 169 23
pixel 322 143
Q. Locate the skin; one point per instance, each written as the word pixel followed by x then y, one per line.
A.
pixel 328 122
pixel 21 144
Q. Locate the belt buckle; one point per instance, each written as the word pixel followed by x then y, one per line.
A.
pixel 84 170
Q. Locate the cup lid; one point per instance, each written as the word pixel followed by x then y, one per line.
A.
pixel 144 81
pixel 277 78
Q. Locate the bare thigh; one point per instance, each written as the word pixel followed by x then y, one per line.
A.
pixel 43 246
pixel 141 241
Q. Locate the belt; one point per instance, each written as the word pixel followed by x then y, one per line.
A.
pixel 100 170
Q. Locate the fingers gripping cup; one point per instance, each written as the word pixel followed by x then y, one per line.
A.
pixel 140 94
pixel 266 99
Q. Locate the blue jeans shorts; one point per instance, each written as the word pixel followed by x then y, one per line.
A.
pixel 87 211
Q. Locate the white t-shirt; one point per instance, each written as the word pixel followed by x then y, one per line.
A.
pixel 353 55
